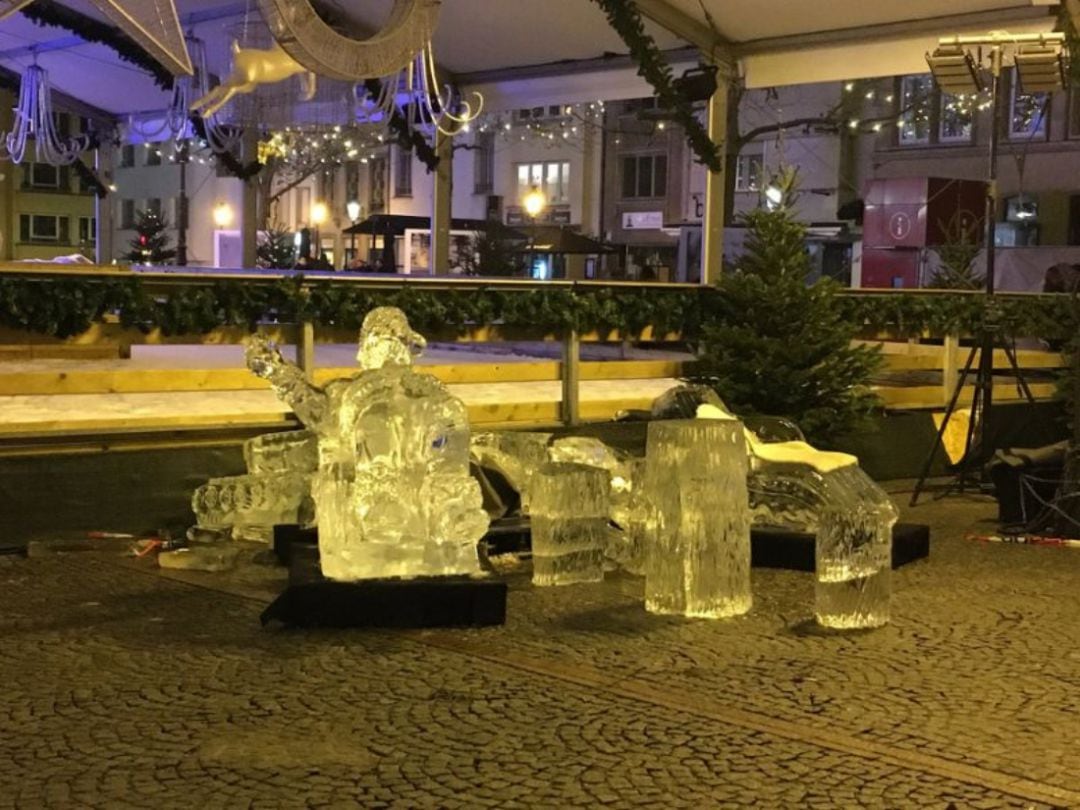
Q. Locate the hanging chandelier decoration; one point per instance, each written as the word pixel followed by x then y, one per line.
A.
pixel 177 118
pixel 34 118
pixel 416 95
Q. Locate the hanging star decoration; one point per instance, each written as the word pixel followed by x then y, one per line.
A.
pixel 153 24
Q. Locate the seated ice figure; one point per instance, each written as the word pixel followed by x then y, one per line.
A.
pixel 393 495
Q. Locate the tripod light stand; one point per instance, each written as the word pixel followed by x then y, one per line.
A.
pixel 1040 67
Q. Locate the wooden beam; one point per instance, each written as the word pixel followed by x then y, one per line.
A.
pixel 712 43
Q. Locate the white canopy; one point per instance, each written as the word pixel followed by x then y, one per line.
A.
pixel 564 50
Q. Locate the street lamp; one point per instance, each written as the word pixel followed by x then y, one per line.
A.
pixel 319 215
pixel 534 203
pixel 352 209
pixel 223 215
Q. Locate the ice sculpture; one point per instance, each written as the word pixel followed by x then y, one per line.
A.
pixel 795 486
pixel 569 521
pixel 628 510
pixel 698 560
pixel 515 454
pixel 393 495
pixel 277 488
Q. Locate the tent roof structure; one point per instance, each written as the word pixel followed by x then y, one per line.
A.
pixel 534 51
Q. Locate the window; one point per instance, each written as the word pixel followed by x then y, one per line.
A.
pixel 153 155
pixel 915 96
pixel 403 173
pixel 635 105
pixel 644 176
pixel 536 113
pixel 927 116
pixel 42 228
pixel 1028 112
pixel 552 178
pixel 484 165
pixel 87 230
pixel 153 206
pixel 748 171
pixel 127 215
pixel 127 156
pixel 44 175
pixel 955 119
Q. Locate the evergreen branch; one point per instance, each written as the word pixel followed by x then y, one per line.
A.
pixel 51 13
pixel 627 21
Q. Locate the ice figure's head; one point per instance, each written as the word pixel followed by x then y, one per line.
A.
pixel 386 339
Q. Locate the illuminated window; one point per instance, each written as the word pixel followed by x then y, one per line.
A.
pixel 551 177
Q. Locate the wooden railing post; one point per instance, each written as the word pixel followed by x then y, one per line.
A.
pixel 305 348
pixel 950 368
pixel 571 378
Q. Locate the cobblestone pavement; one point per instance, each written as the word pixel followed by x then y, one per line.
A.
pixel 125 688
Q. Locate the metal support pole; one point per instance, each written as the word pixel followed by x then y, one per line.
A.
pixel 441 204
pixel 249 215
pixel 571 378
pixel 982 404
pixel 103 207
pixel 182 207
pixel 712 226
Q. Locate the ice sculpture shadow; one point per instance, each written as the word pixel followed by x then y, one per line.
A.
pixel 392 492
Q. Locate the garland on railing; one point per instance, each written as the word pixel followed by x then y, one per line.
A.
pixel 65 306
pixel 62 307
pixel 48 12
pixel 625 18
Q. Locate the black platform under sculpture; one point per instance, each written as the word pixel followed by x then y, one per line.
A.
pixel 310 600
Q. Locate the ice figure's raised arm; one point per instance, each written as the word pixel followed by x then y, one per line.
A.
pixel 310 402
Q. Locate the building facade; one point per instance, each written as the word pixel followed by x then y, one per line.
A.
pixel 46 211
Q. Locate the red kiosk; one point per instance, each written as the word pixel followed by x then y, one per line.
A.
pixel 905 214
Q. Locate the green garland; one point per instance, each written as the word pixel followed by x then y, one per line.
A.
pixel 628 23
pixel 50 13
pixel 64 306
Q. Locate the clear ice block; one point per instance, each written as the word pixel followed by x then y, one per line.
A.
pixel 698 560
pixel 569 520
pixel 516 454
pixel 853 519
pixel 393 494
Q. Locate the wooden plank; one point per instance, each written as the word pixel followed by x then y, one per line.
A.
pixel 76 424
pixel 929 396
pixel 142 381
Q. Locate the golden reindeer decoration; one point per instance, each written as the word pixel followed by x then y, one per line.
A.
pixel 252 67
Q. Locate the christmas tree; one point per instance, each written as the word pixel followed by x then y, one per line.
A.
pixel 151 242
pixel 494 253
pixel 276 250
pixel 774 345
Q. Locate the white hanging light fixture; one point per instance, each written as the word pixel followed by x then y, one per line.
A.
pixel 34 119
pixel 415 92
pixel 177 117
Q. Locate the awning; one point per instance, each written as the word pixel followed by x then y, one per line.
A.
pixel 559 239
pixel 397 224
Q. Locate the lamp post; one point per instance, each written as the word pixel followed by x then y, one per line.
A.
pixel 319 213
pixel 1041 67
pixel 352 209
pixel 534 203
